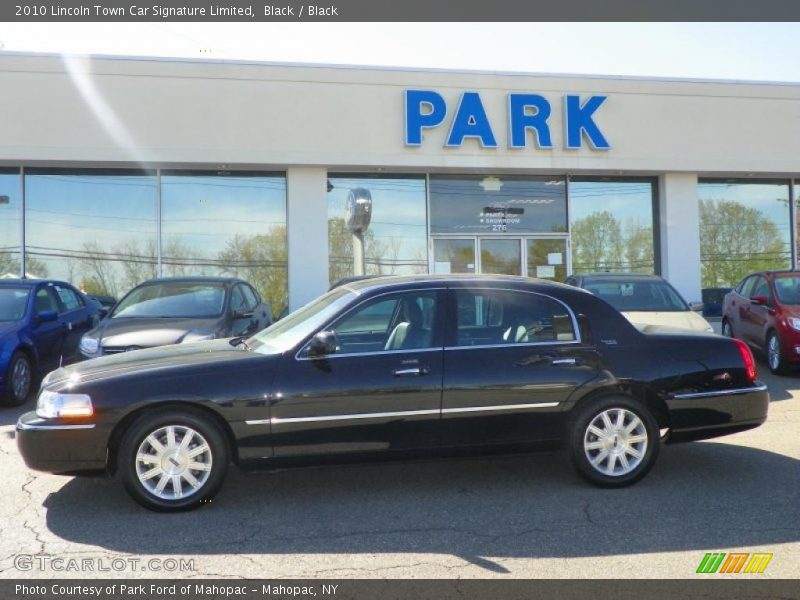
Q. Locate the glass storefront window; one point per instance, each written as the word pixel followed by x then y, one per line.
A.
pixel 226 225
pixel 744 227
pixel 9 223
pixel 95 229
pixel 396 241
pixel 467 204
pixel 611 225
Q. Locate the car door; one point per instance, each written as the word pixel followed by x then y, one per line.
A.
pixel 740 304
pixel 261 310
pixel 74 318
pixel 48 336
pixel 756 315
pixel 379 391
pixel 511 360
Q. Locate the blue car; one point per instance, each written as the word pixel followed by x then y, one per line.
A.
pixel 41 324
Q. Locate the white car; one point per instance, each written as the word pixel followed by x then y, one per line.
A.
pixel 644 300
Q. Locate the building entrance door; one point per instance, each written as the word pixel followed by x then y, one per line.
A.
pixel 542 257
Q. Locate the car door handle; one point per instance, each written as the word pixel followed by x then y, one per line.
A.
pixel 410 372
pixel 565 362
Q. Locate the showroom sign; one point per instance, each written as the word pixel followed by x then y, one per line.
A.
pixel 426 109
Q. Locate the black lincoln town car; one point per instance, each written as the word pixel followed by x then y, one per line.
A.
pixel 392 367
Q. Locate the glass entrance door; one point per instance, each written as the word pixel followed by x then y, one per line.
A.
pixel 501 256
pixel 544 258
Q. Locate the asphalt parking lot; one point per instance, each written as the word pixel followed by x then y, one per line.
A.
pixel 518 517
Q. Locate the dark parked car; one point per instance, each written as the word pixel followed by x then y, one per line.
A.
pixel 41 323
pixel 392 367
pixel 174 311
pixel 764 311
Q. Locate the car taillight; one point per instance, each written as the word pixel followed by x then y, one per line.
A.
pixel 747 359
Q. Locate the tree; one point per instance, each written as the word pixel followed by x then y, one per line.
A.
pixel 597 243
pixel 736 240
pixel 262 260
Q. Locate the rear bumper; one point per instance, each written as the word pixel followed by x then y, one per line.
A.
pixel 703 415
pixel 55 447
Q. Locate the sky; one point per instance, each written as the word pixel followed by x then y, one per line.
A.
pixel 739 51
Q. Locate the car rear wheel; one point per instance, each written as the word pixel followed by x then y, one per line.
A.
pixel 173 460
pixel 614 441
pixel 19 380
pixel 775 360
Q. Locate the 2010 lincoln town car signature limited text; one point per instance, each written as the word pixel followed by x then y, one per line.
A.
pixel 396 366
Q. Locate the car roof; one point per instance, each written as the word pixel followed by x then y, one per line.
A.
pixel 364 285
pixel 31 282
pixel 191 279
pixel 620 275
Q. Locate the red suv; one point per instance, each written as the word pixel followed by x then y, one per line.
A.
pixel 764 311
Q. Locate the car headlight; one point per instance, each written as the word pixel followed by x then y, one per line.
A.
pixel 794 323
pixel 89 345
pixel 52 405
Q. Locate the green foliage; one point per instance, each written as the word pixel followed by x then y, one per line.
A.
pixel 601 242
pixel 736 240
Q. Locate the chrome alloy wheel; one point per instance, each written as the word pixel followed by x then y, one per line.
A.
pixel 173 462
pixel 774 353
pixel 615 442
pixel 21 379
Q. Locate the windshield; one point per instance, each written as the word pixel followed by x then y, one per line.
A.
pixel 631 295
pixel 788 289
pixel 12 303
pixel 173 300
pixel 289 331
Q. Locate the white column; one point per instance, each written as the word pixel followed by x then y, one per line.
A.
pixel 679 214
pixel 307 233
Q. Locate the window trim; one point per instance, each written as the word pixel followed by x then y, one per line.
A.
pixel 453 322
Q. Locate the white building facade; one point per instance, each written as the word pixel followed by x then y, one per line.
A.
pixel 116 170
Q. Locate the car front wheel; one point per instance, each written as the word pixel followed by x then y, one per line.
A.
pixel 775 360
pixel 19 380
pixel 173 460
pixel 614 441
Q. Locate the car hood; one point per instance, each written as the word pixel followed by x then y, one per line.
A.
pixel 153 360
pixel 149 332
pixel 685 320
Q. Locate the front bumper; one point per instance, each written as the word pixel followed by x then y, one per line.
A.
pixel 703 415
pixel 58 447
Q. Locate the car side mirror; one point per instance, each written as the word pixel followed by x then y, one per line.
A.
pixel 242 314
pixel 47 316
pixel 760 300
pixel 696 306
pixel 103 311
pixel 322 344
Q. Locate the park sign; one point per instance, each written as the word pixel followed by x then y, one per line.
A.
pixel 427 109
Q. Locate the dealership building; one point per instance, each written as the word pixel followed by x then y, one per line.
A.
pixel 117 170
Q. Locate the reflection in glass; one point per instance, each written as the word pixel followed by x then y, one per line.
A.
pixel 611 225
pixel 232 225
pixel 396 241
pixel 547 259
pixel 501 257
pixel 9 223
pixel 744 227
pixel 453 255
pixel 95 229
pixel 503 204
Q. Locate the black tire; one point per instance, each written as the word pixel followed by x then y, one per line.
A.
pixel 157 423
pixel 727 330
pixel 616 444
pixel 776 363
pixel 17 393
